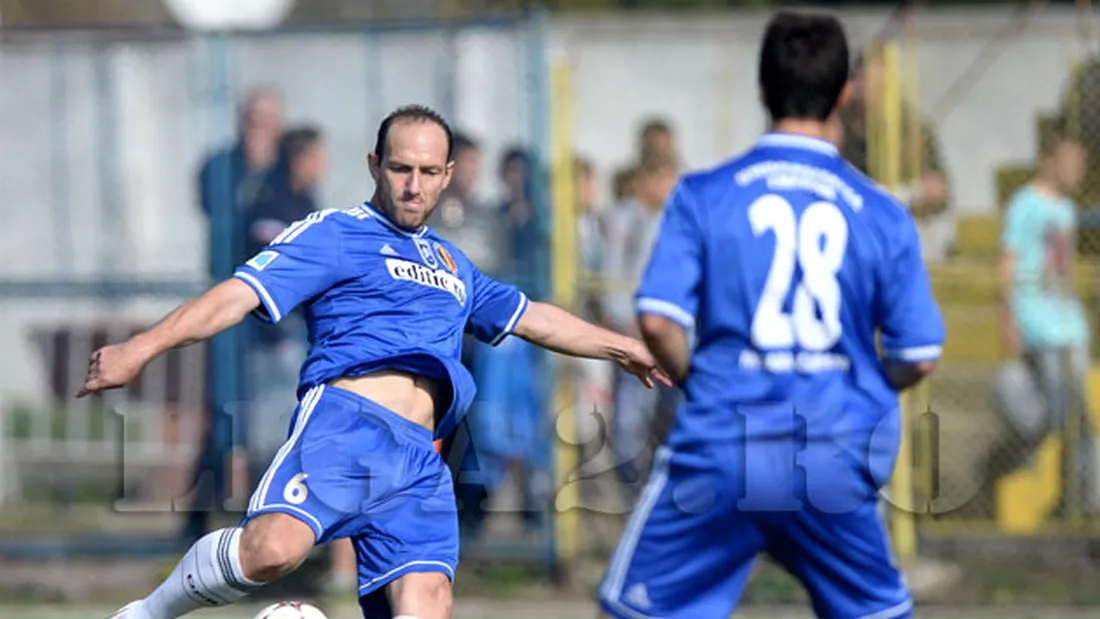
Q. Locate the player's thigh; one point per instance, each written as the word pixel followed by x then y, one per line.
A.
pixel 844 560
pixel 685 552
pixel 344 458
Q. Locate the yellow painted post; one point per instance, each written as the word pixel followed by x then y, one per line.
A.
pixel 910 103
pixel 564 290
pixel 889 151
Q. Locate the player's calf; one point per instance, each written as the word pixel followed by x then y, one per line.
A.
pixel 225 566
pixel 421 595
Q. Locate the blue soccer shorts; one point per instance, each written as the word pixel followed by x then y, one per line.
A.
pixel 689 547
pixel 354 469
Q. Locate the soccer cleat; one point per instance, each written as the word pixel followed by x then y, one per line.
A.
pixel 122 612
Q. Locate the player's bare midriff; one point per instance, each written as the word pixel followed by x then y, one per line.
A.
pixel 409 395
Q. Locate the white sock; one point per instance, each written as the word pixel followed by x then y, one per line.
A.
pixel 405 617
pixel 208 575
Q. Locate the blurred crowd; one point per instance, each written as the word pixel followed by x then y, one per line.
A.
pixel 506 440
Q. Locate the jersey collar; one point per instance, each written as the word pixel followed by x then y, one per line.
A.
pixel 792 140
pixel 392 226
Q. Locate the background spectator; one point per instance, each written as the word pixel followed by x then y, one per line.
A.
pixel 518 217
pixel 1044 322
pixel 927 191
pixel 640 415
pixel 248 161
pixel 464 219
pixel 656 138
pixel 276 352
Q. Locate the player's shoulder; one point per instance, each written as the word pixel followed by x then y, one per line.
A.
pixel 1022 200
pixel 706 185
pixel 876 201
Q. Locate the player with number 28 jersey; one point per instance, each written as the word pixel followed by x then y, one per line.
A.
pixel 788 265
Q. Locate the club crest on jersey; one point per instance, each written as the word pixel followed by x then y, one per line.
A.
pixel 415 272
pixel 426 253
pixel 447 258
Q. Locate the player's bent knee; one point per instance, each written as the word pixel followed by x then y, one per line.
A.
pixel 425 595
pixel 274 545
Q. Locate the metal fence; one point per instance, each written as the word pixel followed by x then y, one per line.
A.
pixel 953 110
pixel 987 453
pixel 106 131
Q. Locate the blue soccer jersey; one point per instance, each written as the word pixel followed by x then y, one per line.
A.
pixel 786 262
pixel 376 297
pixel 792 270
pixel 379 297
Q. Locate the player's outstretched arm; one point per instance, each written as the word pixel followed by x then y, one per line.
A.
pixel 203 317
pixel 553 328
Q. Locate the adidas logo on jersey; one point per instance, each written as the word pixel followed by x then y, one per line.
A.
pixel 433 278
pixel 388 251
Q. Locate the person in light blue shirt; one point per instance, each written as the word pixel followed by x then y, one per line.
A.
pixel 1043 323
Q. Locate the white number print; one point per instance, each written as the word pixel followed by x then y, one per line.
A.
pixel 295 491
pixel 816 243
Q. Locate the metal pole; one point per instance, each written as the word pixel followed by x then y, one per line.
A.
pixel 227 348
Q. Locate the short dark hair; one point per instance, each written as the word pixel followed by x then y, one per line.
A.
pixel 1054 136
pixel 294 143
pixel 583 166
pixel 413 113
pixel 622 181
pixel 804 65
pixel 655 125
pixel 515 154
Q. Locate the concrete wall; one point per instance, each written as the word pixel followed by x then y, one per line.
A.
pixel 101 139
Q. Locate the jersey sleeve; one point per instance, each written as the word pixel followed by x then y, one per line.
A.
pixel 910 319
pixel 302 262
pixel 495 309
pixel 670 284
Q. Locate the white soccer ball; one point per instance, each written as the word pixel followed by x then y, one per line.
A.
pixel 291 610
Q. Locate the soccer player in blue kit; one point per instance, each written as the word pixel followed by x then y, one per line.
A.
pixel 785 263
pixel 387 303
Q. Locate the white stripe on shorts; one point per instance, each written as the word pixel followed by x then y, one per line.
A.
pixel 624 554
pixel 309 402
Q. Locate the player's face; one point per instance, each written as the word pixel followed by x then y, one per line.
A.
pixel 412 173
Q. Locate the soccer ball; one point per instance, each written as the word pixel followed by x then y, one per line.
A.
pixel 291 610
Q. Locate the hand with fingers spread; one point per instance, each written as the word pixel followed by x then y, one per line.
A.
pixel 637 360
pixel 112 367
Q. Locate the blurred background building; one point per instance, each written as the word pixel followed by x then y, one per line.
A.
pixel 141 160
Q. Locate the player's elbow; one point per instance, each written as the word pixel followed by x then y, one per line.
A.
pixel 906 374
